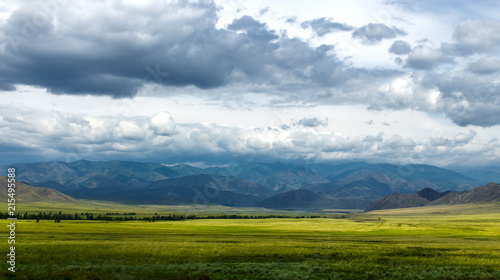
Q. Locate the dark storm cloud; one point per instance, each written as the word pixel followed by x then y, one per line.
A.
pixel 107 51
pixel 323 26
pixel 115 49
pixel 254 29
pixel 400 47
pixel 375 32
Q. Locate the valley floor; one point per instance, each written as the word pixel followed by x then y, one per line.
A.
pixel 419 243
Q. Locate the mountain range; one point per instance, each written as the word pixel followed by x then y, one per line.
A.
pixel 273 185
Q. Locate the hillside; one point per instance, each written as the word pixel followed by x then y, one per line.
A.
pixel 369 187
pixel 397 200
pixel 489 193
pixel 298 199
pixel 193 189
pixel 26 194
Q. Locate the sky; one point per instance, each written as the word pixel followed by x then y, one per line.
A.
pixel 222 81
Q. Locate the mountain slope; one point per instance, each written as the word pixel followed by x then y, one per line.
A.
pixel 26 194
pixel 484 174
pixel 354 193
pixel 202 189
pixel 415 176
pixel 489 193
pixel 278 176
pixel 397 200
pixel 292 179
pixel 298 199
pixel 78 172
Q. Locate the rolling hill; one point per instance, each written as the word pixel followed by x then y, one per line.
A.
pixel 489 193
pixel 26 194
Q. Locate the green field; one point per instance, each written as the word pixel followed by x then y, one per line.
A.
pixel 452 242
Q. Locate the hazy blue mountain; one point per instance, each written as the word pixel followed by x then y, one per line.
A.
pixel 365 188
pixel 121 171
pixel 483 174
pixel 277 176
pixel 416 176
pixel 292 179
pixel 403 178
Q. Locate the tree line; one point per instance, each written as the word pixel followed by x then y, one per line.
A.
pixel 58 216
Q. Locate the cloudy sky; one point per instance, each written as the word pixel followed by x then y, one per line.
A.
pixel 216 82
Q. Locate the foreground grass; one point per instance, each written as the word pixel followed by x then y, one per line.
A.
pixel 423 243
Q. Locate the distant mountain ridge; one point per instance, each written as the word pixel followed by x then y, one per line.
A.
pixel 346 185
pixel 489 193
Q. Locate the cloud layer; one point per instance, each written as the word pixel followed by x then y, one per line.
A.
pixel 71 137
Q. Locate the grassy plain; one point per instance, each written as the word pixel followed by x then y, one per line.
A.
pixel 445 242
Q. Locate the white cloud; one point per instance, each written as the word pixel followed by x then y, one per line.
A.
pixel 425 58
pixel 485 65
pixel 473 36
pixel 375 32
pixel 163 124
pixel 128 130
pixel 462 138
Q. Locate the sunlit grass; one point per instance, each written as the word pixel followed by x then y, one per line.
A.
pixel 420 243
